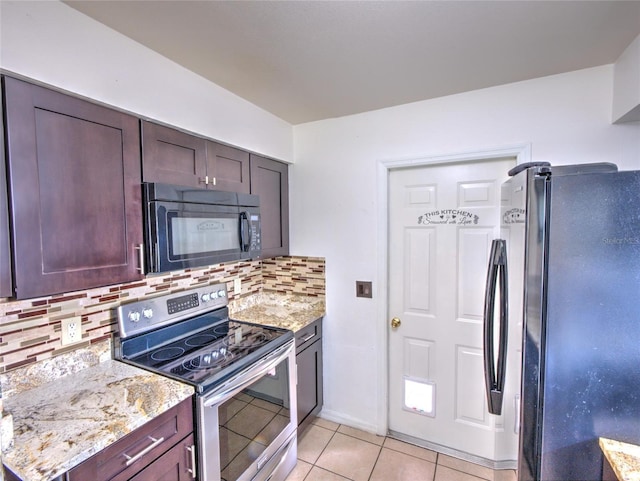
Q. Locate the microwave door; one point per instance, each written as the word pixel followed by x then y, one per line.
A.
pixel 194 235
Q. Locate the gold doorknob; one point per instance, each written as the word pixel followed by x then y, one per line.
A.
pixel 395 322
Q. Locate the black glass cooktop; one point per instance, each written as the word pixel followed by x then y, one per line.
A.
pixel 203 350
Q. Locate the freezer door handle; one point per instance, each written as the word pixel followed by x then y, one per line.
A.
pixel 494 372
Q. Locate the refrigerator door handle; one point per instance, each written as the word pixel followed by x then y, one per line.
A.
pixel 494 372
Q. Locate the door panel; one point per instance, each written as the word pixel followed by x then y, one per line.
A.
pixel 472 252
pixel 229 166
pixel 418 355
pixel 62 162
pixel 418 270
pixel 442 219
pixel 172 157
pixel 270 180
pixel 469 362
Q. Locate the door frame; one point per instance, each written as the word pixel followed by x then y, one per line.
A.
pixel 522 153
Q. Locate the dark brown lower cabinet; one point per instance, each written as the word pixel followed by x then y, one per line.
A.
pixel 162 449
pixel 608 474
pixel 177 464
pixel 309 361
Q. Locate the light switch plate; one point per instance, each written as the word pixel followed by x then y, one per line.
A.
pixel 364 289
pixel 71 330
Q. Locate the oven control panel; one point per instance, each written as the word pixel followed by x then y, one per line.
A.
pixel 178 304
pixel 142 316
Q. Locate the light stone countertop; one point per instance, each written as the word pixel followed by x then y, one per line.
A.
pixel 624 458
pixel 288 311
pixel 59 424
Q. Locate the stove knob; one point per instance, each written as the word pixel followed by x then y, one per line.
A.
pixel 134 316
pixel 147 312
pixel 221 293
pixel 214 295
pixel 206 297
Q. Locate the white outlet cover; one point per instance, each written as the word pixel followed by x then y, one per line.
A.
pixel 71 330
pixel 237 286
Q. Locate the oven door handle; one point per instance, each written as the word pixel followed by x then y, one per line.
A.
pixel 248 376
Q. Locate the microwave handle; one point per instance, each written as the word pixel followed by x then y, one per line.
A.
pixel 245 232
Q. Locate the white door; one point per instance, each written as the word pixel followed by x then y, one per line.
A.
pixel 442 219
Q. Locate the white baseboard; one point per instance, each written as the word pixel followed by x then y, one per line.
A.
pixel 340 418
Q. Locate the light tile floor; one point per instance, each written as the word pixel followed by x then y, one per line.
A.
pixel 334 452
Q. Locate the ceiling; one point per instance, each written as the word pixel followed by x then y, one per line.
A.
pixel 313 60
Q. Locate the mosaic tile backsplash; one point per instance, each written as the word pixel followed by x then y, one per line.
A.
pixel 30 329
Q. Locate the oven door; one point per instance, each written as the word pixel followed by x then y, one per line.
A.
pixel 182 235
pixel 247 425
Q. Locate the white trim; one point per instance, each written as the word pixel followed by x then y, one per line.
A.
pixel 340 418
pixel 521 152
pixel 489 463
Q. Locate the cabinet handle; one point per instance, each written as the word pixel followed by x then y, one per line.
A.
pixel 133 459
pixel 192 451
pixel 140 249
pixel 310 336
pixel 205 181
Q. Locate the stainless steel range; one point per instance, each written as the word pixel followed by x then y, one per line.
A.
pixel 244 376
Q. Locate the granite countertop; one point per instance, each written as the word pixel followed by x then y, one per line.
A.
pixel 288 311
pixel 59 424
pixel 624 459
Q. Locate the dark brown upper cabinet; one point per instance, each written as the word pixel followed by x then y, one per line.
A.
pixel 74 191
pixel 6 287
pixel 174 157
pixel 229 167
pixel 270 180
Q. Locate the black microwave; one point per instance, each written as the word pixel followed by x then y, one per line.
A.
pixel 188 227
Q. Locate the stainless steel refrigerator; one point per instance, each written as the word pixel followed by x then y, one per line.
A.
pixel 571 236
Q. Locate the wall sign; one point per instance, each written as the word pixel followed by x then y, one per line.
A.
pixel 514 216
pixel 448 216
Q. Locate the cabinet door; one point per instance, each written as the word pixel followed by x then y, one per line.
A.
pixel 270 180
pixel 309 388
pixel 177 464
pixel 6 287
pixel 75 195
pixel 172 157
pixel 229 167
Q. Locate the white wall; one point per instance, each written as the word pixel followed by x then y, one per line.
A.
pixel 54 44
pixel 335 204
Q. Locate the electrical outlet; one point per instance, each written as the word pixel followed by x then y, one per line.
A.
pixel 71 330
pixel 237 286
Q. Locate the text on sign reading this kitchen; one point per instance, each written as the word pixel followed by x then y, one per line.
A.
pixel 448 216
